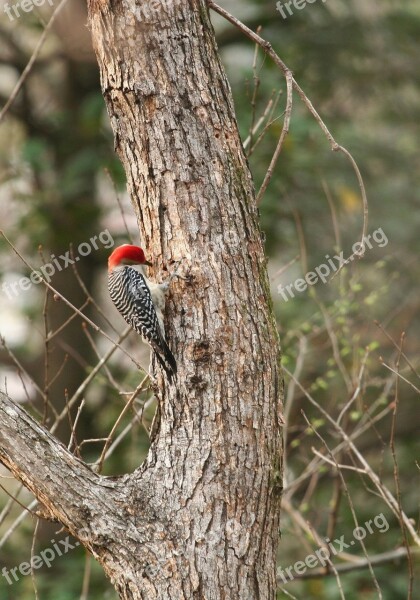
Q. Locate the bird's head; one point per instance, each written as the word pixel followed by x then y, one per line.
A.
pixel 127 255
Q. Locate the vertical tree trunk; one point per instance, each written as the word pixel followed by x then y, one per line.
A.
pixel 210 488
pixel 199 519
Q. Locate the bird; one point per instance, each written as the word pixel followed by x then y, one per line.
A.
pixel 140 301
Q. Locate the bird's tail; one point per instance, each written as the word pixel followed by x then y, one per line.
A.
pixel 166 359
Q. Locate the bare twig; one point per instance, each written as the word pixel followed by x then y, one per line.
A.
pixel 284 132
pixel 268 49
pixel 31 61
pixel 287 265
pixel 69 320
pixel 383 363
pixel 98 465
pixel 76 420
pixel 334 463
pixel 89 297
pixel 28 510
pixel 82 387
pixel 333 214
pixel 270 121
pixel 303 346
pixel 257 82
pixel 46 359
pixel 20 366
pixel 260 122
pixel 108 373
pixel 32 556
pixel 76 310
pixel 405 357
pixel 86 577
pixel 352 510
pixel 314 465
pixel 396 475
pixel 128 428
pixel 378 559
pixel 357 390
pixel 382 489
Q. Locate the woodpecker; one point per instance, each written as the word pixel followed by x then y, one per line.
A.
pixel 140 301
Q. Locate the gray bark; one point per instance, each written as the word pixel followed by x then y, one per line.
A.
pixel 199 519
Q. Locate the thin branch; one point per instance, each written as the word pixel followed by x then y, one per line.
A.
pixel 379 559
pixel 99 464
pixel 394 343
pixel 108 373
pixel 82 387
pixel 268 49
pixel 416 389
pixel 287 265
pixel 334 463
pixel 128 428
pixel 88 295
pixel 310 531
pixel 357 390
pixel 313 467
pixel 27 511
pixel 14 499
pixel 303 346
pixel 396 474
pixel 351 506
pixel 382 489
pixel 57 293
pixel 69 320
pixel 257 82
pixel 19 366
pixel 76 420
pixel 334 342
pixel 31 61
pixel 86 578
pixel 260 121
pixel 32 556
pixel 284 132
pixel 333 214
pixel 267 126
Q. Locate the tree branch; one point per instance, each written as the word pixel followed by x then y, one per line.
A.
pixel 62 483
pixel 97 510
pixel 268 49
pixel 377 560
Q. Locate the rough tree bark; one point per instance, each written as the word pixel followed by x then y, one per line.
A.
pixel 199 519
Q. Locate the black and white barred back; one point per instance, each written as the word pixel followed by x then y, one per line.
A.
pixel 130 294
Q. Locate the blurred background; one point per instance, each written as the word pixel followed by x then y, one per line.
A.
pixel 350 345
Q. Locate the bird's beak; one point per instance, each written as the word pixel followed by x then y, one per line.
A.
pixel 148 263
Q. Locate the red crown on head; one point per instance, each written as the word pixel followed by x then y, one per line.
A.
pixel 127 255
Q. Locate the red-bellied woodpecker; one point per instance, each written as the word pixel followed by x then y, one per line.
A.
pixel 140 301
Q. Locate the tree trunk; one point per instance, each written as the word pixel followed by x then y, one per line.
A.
pixel 199 519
